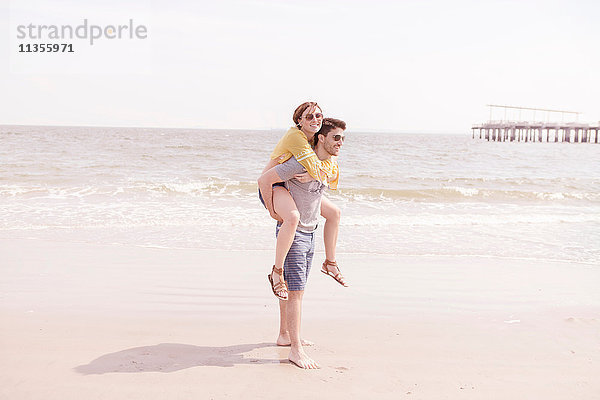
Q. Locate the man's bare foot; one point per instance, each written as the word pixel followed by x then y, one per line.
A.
pixel 302 360
pixel 284 340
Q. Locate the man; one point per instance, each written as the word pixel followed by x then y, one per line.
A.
pixel 307 196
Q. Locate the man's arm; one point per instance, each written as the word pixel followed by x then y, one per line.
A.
pixel 279 173
pixel 270 165
pixel 265 185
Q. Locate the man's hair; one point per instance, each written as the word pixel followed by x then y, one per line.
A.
pixel 329 124
pixel 300 110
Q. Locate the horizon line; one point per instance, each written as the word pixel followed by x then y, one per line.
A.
pixel 371 130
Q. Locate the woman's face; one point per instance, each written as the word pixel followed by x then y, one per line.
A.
pixel 311 121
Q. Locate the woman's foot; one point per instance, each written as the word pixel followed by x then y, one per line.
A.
pixel 330 268
pixel 278 285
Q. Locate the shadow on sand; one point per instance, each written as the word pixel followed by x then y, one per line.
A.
pixel 170 357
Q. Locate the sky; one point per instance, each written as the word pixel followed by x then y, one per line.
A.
pixel 405 66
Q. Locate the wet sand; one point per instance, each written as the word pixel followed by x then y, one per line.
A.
pixel 97 322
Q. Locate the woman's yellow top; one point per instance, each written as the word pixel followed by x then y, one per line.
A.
pixel 295 143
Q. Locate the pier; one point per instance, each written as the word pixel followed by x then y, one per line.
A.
pixel 516 129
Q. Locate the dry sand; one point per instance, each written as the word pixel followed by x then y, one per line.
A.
pixel 82 321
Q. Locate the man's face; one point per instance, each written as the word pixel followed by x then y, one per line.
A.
pixel 311 120
pixel 331 145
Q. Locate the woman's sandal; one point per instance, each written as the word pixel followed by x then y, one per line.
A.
pixel 281 286
pixel 338 277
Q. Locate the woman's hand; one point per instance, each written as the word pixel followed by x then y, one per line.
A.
pixel 304 177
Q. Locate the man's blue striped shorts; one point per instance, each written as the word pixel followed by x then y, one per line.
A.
pixel 298 261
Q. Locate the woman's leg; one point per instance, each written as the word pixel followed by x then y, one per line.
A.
pixel 286 208
pixel 332 215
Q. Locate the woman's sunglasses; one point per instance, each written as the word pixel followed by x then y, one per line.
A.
pixel 309 117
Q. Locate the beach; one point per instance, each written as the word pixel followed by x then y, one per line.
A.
pixel 141 322
pixel 134 265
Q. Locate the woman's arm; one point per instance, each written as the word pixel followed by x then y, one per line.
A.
pixel 294 143
pixel 304 177
pixel 305 155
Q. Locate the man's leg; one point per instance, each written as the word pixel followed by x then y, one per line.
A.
pixel 284 335
pixel 294 316
pixel 296 272
pixel 299 261
pixel 296 275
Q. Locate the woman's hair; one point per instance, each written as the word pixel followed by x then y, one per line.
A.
pixel 329 124
pixel 300 110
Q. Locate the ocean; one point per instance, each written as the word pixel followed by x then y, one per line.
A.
pixel 404 194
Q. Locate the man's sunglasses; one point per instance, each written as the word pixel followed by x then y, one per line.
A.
pixel 337 138
pixel 309 117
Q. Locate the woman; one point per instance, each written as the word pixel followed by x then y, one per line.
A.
pixel 308 118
